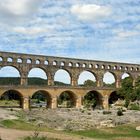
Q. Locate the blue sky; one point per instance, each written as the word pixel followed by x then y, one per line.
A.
pixel 88 29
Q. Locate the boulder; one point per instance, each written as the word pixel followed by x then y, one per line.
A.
pixel 106 123
pixel 138 128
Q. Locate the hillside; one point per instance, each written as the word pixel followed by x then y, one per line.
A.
pixel 31 81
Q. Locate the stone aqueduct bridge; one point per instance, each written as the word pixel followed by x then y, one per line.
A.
pixel 25 62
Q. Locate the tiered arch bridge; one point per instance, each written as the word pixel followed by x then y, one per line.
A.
pixel 24 63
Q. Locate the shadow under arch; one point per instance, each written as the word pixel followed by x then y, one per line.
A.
pixel 114 97
pixel 37 76
pixel 62 77
pixel 41 98
pixel 12 99
pixel 67 99
pixel 87 75
pixel 10 75
pixel 93 100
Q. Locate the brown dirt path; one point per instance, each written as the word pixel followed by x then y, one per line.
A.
pixel 13 134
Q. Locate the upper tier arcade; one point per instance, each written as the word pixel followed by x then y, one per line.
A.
pixel 50 64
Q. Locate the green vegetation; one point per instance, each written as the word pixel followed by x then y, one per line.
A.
pixel 9 80
pixel 22 125
pixel 39 138
pixel 31 81
pixel 9 103
pixel 109 85
pixel 91 100
pixel 65 100
pixel 120 112
pixel 134 106
pixel 128 92
pixel 18 124
pixel 34 138
pixel 120 132
pixel 89 83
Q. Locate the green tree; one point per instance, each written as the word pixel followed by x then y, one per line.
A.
pixel 89 83
pixel 136 94
pixel 90 100
pixel 109 85
pixel 126 90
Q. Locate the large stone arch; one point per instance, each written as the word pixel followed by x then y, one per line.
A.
pixel 111 82
pixel 10 75
pixel 42 99
pixel 115 98
pixel 88 72
pixel 93 99
pixel 18 68
pixel 62 71
pixel 67 99
pixel 39 73
pixel 14 96
pixel 126 73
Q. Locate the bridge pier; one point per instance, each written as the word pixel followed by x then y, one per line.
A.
pixel 105 102
pixel 50 79
pixel 24 81
pixel 25 103
pixel 79 102
pixel 74 82
pixel 54 103
pixel 100 80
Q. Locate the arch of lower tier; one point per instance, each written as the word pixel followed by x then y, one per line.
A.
pixel 13 95
pixel 52 96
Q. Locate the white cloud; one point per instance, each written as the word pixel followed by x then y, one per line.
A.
pixel 31 30
pixel 122 34
pixel 91 12
pixel 17 11
pixel 128 34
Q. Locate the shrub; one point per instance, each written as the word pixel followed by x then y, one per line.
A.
pixel 119 112
pixel 127 102
pixel 82 111
pixel 134 107
pixel 35 138
pixel 106 112
pixel 89 113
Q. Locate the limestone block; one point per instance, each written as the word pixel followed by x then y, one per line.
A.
pixel 138 128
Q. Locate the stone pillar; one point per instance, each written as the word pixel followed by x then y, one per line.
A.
pixel 74 79
pixel 25 103
pixel 134 82
pixel 79 102
pixel 134 78
pixel 118 81
pixel 105 102
pixel 99 80
pixel 24 79
pixel 54 103
pixel 50 79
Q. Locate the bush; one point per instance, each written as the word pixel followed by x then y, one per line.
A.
pixel 82 111
pixel 35 138
pixel 39 138
pixel 134 107
pixel 89 113
pixel 119 112
pixel 106 112
pixel 127 102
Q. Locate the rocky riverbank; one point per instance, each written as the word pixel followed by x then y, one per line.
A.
pixel 73 119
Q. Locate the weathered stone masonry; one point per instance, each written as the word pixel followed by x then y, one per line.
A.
pixel 25 62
